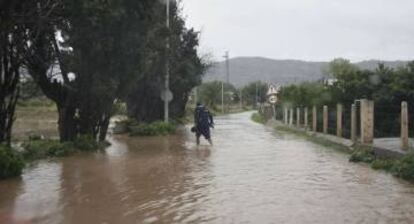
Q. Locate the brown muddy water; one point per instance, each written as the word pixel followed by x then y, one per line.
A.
pixel 251 175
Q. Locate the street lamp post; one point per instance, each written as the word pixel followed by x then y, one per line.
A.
pixel 167 66
pixel 222 97
pixel 226 56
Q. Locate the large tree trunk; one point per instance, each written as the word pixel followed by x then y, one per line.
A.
pixel 103 127
pixel 67 124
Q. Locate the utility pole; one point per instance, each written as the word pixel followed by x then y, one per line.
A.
pixel 226 56
pixel 256 96
pixel 222 97
pixel 167 66
pixel 241 99
pixel 195 96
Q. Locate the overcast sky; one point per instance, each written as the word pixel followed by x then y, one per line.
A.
pixel 316 30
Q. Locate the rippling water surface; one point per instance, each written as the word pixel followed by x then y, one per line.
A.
pixel 251 175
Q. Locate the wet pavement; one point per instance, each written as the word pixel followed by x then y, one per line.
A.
pixel 252 174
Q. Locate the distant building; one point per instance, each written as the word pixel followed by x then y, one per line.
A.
pixel 328 81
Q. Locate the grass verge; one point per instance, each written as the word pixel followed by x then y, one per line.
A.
pixel 314 139
pixel 403 167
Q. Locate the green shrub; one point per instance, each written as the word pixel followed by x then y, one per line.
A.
pixel 152 129
pixel 256 117
pixel 404 167
pixel 85 143
pixel 387 164
pixel 362 155
pixel 11 163
pixel 37 149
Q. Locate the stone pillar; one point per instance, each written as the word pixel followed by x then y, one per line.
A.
pixel 404 125
pixel 305 118
pixel 339 120
pixel 298 117
pixel 367 121
pixel 291 117
pixel 353 123
pixel 286 115
pixel 325 119
pixel 314 119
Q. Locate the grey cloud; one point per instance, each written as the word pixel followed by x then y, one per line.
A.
pixel 305 29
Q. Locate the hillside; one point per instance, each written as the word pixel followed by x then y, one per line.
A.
pixel 247 69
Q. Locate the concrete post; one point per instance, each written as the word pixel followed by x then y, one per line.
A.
pixel 325 119
pixel 353 123
pixel 286 115
pixel 339 120
pixel 305 118
pixel 291 117
pixel 314 119
pixel 404 125
pixel 298 117
pixel 367 121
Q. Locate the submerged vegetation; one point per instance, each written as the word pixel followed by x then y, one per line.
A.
pixel 11 162
pixel 135 128
pixel 152 129
pixel 258 118
pixel 44 148
pixel 39 149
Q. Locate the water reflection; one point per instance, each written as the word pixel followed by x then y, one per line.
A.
pixel 251 175
pixel 34 197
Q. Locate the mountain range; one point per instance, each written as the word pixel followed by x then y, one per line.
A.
pixel 248 69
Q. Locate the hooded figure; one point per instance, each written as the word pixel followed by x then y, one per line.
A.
pixel 203 120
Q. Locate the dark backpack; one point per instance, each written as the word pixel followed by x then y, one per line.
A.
pixel 202 115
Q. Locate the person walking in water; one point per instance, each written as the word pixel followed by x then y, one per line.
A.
pixel 203 120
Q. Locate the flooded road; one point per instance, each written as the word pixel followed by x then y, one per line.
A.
pixel 251 175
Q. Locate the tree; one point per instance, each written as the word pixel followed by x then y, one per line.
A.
pixel 101 50
pixel 186 69
pixel 12 15
pixel 341 67
pixel 255 92
pixel 210 93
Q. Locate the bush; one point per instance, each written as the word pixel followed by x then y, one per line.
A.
pixel 152 129
pixel 387 165
pixel 362 155
pixel 256 117
pixel 11 163
pixel 404 167
pixel 85 143
pixel 37 149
